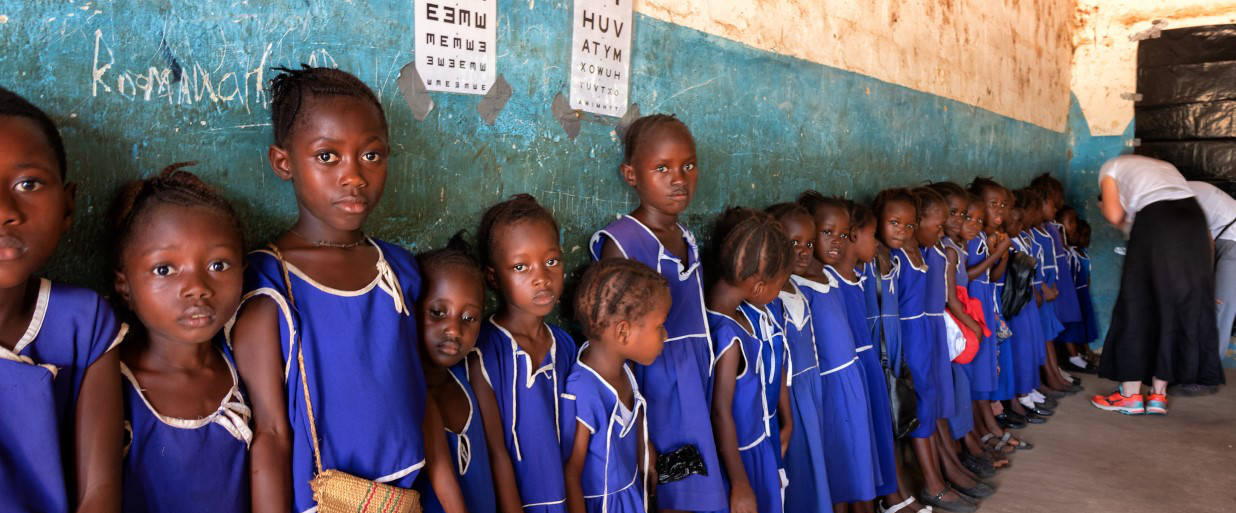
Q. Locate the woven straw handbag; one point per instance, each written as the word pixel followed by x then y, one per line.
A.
pixel 336 491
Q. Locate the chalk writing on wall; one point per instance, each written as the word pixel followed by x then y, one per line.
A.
pixel 600 56
pixel 456 44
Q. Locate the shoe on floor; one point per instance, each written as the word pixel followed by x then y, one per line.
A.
pixel 1131 405
pixel 959 505
pixel 1192 390
pixel 1156 404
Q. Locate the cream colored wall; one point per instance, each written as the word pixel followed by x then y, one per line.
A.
pixel 1105 62
pixel 1010 57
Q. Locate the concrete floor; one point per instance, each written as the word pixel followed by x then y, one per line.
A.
pixel 1088 460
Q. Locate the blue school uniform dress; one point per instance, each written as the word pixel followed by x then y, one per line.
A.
pixel 805 458
pixel 1027 329
pixel 962 419
pixel 935 302
pixel 527 395
pixel 179 465
pixel 855 296
pixel 888 324
pixel 365 381
pixel 1068 308
pixel 849 438
pixel 678 385
pixel 982 370
pixel 1004 348
pixel 920 344
pixel 1050 276
pixel 469 455
pixel 755 420
pixel 41 378
pixel 1084 331
pixel 615 468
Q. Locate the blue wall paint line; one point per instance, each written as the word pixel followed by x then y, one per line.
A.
pixel 767 126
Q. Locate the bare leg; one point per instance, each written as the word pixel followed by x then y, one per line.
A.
pixel 933 482
pixel 1052 369
pixel 862 507
pixel 954 472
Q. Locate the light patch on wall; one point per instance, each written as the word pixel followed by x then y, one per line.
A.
pixel 1105 61
pixel 3 19
pixel 1008 58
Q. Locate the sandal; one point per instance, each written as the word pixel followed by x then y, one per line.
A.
pixel 1001 443
pixel 1017 443
pixel 900 506
pixel 959 505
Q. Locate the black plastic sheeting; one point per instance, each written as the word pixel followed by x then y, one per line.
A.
pixel 1187 113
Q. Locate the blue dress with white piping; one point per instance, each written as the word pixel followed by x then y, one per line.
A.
pixel 527 396
pixel 614 471
pixel 983 369
pixel 849 439
pixel 920 343
pixel 1051 276
pixel 935 303
pixel 1027 328
pixel 884 297
pixel 755 421
pixel 179 465
pixel 40 380
pixel 1068 307
pixel 962 419
pixel 678 385
pixel 1085 330
pixel 854 293
pixel 365 380
pixel 469 454
pixel 805 457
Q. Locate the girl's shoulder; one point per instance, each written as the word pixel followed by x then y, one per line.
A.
pixel 70 326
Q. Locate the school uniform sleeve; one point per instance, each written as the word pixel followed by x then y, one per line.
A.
pixel 494 355
pixel 264 279
pixel 106 331
pixel 580 404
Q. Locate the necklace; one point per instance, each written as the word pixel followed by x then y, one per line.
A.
pixel 331 244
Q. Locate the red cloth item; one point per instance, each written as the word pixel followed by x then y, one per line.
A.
pixel 974 308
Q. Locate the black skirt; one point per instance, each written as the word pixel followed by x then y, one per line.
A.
pixel 1163 324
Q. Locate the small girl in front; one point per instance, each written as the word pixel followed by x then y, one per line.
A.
pixel 754 262
pixel 448 321
pixel 524 360
pixel 325 330
pixel 179 254
pixel 621 305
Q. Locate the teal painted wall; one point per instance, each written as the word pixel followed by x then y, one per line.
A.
pixel 767 126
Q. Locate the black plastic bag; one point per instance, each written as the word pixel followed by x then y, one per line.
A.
pixel 1018 289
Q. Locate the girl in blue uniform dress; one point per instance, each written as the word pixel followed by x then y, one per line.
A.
pixel 621 305
pixel 659 163
pixel 859 252
pixel 1087 330
pixel 851 452
pixel 1066 304
pixel 754 262
pixel 61 354
pixel 1026 325
pixel 524 360
pixel 805 464
pixel 958 230
pixel 342 300
pixel 449 321
pixel 179 254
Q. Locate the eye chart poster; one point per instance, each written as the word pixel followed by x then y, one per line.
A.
pixel 601 56
pixel 455 44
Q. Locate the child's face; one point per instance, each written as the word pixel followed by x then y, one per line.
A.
pixel 36 206
pixel 898 222
pixel 1069 221
pixel 801 231
pixel 832 234
pixel 1030 215
pixel 931 225
pixel 336 159
pixel 449 315
pixel 647 334
pixel 955 216
pixel 863 243
pixel 973 222
pixel 1049 208
pixel 1014 222
pixel 663 170
pixel 182 273
pixel 527 265
pixel 995 203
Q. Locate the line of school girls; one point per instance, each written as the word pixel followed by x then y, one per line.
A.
pixel 753 381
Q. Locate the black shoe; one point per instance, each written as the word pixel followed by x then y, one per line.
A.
pixel 1042 412
pixel 1052 393
pixel 1071 367
pixel 1191 390
pixel 1032 418
pixel 979 466
pixel 959 505
pixel 1007 422
pixel 980 490
pixel 1049 403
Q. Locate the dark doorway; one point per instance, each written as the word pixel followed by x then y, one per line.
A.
pixel 1187 112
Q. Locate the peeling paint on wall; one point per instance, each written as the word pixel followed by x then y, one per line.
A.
pixel 1011 58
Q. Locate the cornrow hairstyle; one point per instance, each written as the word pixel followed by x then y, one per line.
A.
pixel 520 207
pixel 613 290
pixel 860 215
pixel 1027 197
pixel 813 201
pixel 457 253
pixel 925 198
pixel 752 243
pixel 982 183
pixel 12 104
pixel 291 89
pixel 1047 185
pixel 172 186
pixel 645 127
pixel 948 189
pixel 783 211
pixel 887 196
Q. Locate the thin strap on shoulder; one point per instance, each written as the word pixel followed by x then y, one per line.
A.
pixel 300 359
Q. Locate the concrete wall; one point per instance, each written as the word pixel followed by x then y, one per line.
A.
pixel 886 99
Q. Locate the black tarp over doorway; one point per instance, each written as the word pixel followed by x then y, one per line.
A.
pixel 1187 113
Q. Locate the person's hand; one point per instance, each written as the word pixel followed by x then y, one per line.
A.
pixel 742 499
